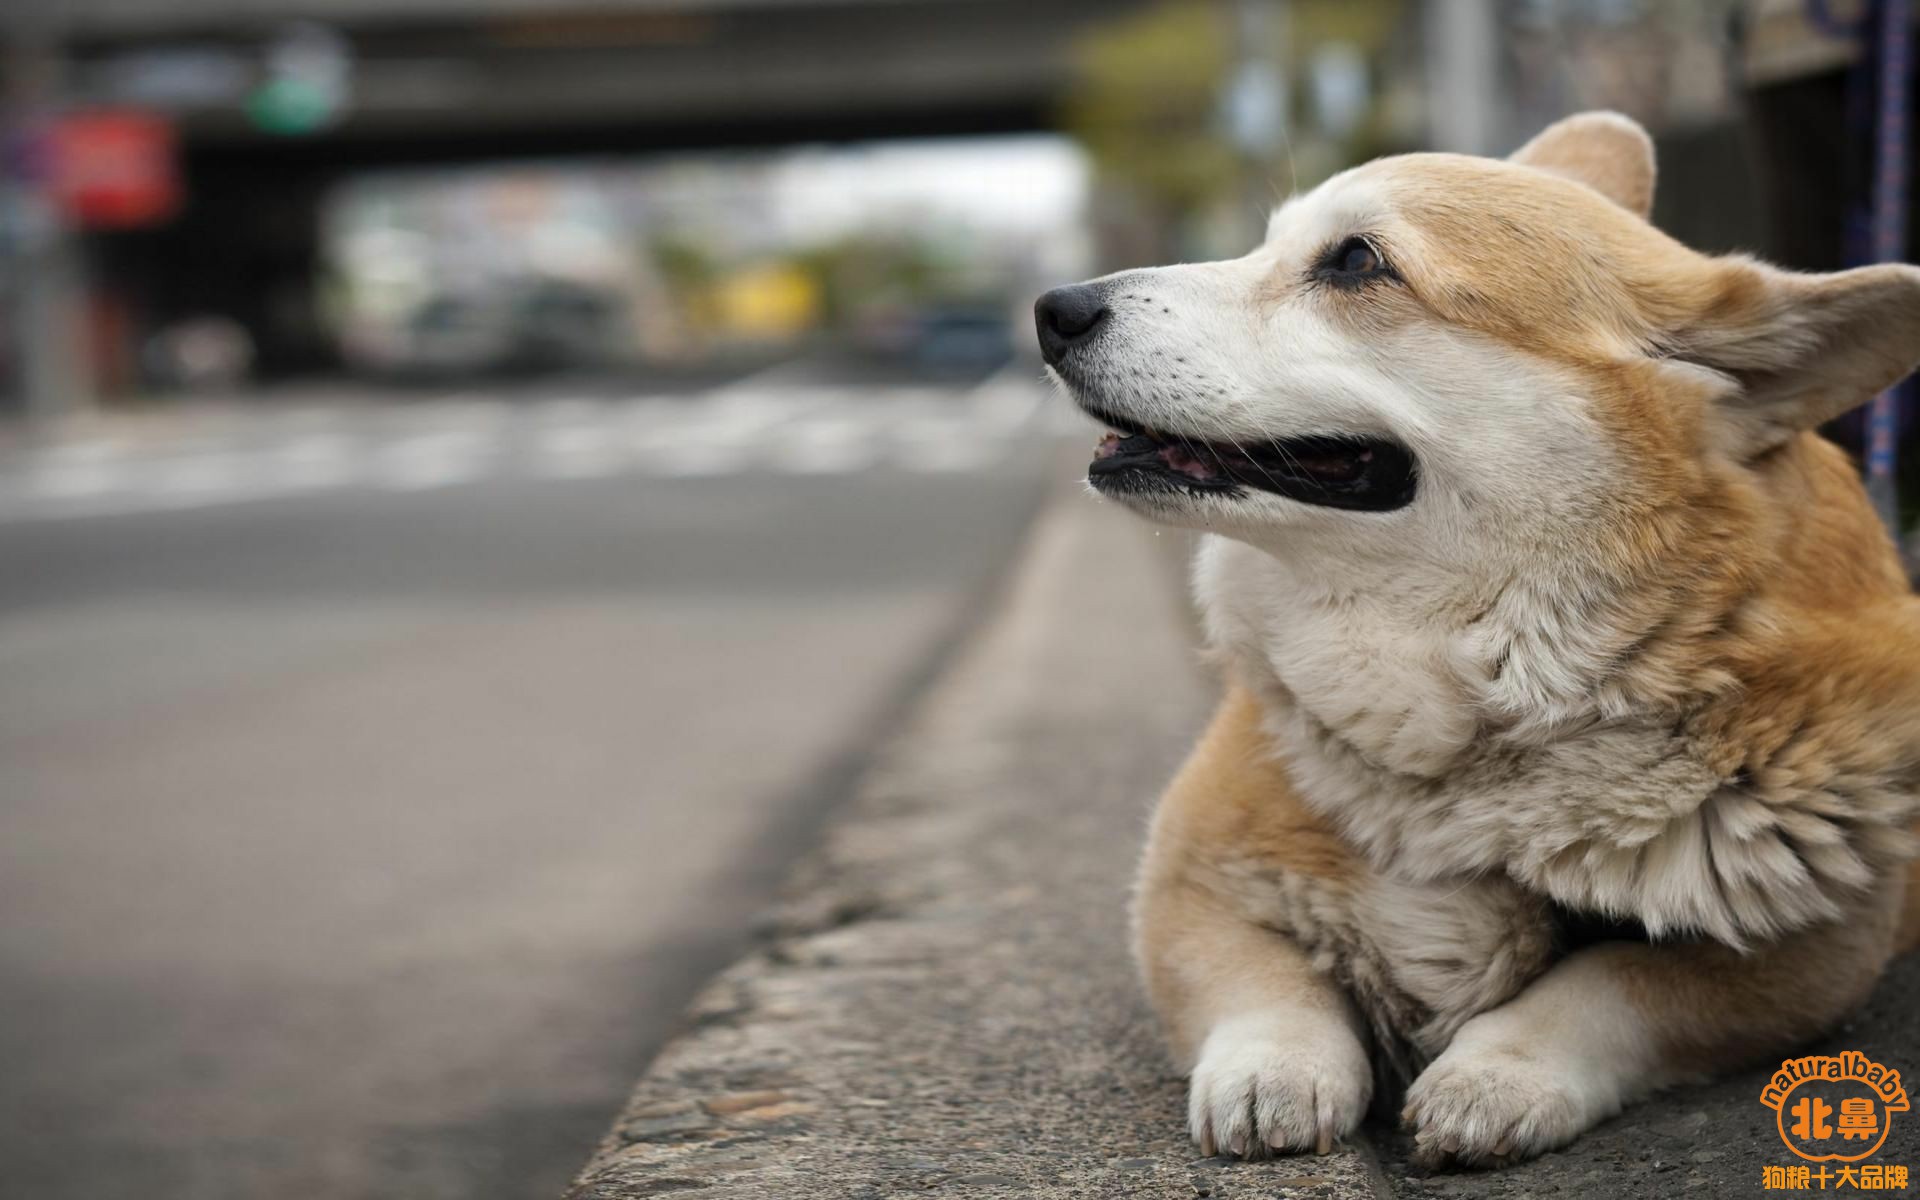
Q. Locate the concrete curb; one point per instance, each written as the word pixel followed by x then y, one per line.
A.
pixel 945 1004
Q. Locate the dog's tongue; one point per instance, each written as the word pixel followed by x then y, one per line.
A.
pixel 1141 445
pixel 1186 463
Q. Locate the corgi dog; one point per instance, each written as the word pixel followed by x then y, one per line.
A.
pixel 1571 743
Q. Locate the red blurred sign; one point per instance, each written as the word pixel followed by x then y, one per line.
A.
pixel 114 170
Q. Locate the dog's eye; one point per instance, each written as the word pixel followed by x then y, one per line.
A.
pixel 1353 261
pixel 1358 258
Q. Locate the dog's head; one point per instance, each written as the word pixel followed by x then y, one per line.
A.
pixel 1472 357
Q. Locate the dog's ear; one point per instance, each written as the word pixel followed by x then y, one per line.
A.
pixel 1608 152
pixel 1802 348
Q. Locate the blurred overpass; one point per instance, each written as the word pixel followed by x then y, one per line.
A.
pixel 439 81
pixel 454 79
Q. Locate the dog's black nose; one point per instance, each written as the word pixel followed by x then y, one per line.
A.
pixel 1067 315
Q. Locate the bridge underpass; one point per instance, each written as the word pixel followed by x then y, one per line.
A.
pixel 436 84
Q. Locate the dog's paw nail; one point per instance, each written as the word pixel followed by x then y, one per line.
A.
pixel 1485 1104
pixel 1258 1093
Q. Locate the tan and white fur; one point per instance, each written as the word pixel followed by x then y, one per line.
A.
pixel 1637 649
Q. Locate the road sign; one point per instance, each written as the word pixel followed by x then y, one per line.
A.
pixel 113 169
pixel 308 76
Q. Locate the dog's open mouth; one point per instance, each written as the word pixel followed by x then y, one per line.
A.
pixel 1368 474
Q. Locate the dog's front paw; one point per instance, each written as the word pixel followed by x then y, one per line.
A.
pixel 1277 1084
pixel 1488 1101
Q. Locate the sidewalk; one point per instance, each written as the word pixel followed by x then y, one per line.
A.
pixel 945 1004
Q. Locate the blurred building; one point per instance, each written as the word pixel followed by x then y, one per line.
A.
pixel 272 113
pixel 1758 106
pixel 323 196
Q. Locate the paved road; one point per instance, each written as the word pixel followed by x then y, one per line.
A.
pixel 363 825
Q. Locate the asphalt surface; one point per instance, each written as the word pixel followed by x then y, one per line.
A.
pixel 367 841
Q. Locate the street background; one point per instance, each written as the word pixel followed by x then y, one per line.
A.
pixel 478 478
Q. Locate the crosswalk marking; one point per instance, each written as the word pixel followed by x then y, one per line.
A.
pixel 825 446
pixel 433 460
pixel 765 423
pixel 314 460
pixel 579 452
pixel 68 480
pixel 201 475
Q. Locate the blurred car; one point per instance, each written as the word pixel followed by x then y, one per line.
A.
pixel 957 338
pixel 532 324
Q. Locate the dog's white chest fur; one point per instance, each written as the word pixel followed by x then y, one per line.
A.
pixel 1386 720
pixel 1388 687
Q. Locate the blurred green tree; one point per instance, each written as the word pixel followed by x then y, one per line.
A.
pixel 1145 104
